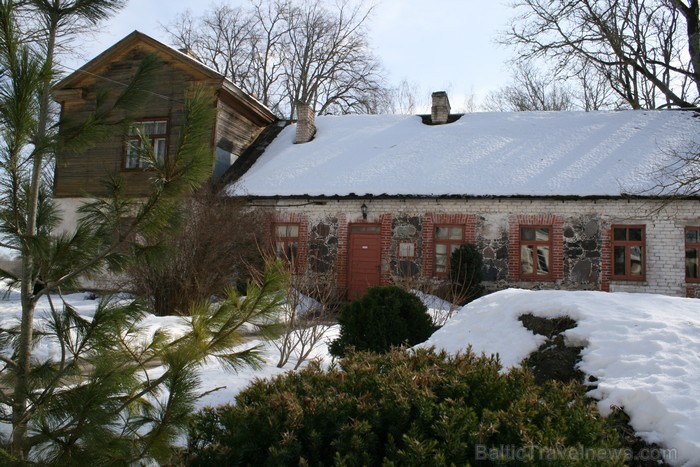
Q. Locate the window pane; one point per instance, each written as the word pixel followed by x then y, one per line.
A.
pixel 636 234
pixel 691 263
pixel 526 259
pixel 636 260
pixel 455 233
pixel 161 128
pixel 292 231
pixel 281 231
pixel 542 234
pixel 279 249
pixel 132 153
pixel 619 265
pixel 365 228
pixel 159 149
pixel 149 128
pixel 542 260
pixel 291 252
pixel 620 234
pixel 440 262
pixel 441 248
pixel 453 247
pixel 527 233
pixel 441 233
pixel 691 236
pixel 406 250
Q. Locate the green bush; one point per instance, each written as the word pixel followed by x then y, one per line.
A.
pixel 399 408
pixel 382 318
pixel 466 265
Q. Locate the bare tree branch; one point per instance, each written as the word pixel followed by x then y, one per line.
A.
pixel 640 47
pixel 285 51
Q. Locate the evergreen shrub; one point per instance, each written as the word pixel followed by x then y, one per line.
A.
pixel 384 317
pixel 466 264
pixel 400 408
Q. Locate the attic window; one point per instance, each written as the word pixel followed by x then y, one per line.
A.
pixel 155 132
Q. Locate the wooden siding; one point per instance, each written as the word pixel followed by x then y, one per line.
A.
pixel 81 174
pixel 234 133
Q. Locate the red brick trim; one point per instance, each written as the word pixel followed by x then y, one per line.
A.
pixel 303 221
pixel 605 257
pixel 385 255
pixel 341 260
pixel 514 224
pixel 430 220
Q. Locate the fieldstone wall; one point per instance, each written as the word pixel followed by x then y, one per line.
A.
pixel 323 244
pixel 583 251
pixel 406 228
pixel 585 255
pixel 492 241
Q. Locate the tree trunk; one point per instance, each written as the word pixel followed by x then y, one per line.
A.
pixel 693 28
pixel 24 351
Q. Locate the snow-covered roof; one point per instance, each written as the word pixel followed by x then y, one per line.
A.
pixel 481 154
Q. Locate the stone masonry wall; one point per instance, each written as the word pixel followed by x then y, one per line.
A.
pixel 581 245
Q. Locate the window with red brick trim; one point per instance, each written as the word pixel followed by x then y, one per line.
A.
pixel 287 242
pixel 153 131
pixel 447 239
pixel 536 252
pixel 628 245
pixel 692 253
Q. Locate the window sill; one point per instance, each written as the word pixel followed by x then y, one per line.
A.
pixel 627 280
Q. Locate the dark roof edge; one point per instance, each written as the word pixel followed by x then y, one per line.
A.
pixel 562 198
pixel 428 119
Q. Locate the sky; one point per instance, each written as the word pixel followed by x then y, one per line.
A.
pixel 434 45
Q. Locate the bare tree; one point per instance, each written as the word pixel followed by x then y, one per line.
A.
pixel 286 51
pixel 640 47
pixel 405 98
pixel 529 91
pixel 214 248
pixel 308 315
pixel 680 176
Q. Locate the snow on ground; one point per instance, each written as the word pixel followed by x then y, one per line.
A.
pixel 644 349
pixel 224 384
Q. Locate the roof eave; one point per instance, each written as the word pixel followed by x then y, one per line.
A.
pixel 562 198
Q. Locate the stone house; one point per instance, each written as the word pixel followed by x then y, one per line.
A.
pixel 552 199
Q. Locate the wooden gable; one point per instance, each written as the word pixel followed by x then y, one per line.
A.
pixel 240 118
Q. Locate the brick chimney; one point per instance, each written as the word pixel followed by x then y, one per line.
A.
pixel 306 127
pixel 440 110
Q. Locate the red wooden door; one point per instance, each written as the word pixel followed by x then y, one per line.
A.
pixel 364 259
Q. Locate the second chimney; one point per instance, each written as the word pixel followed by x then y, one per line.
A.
pixel 440 110
pixel 306 123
